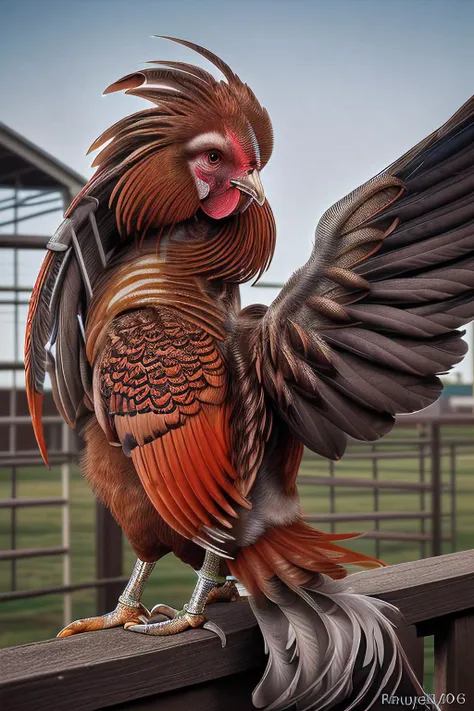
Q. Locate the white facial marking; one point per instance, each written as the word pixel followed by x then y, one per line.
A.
pixel 202 187
pixel 207 141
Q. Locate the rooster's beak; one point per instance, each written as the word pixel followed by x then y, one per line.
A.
pixel 251 185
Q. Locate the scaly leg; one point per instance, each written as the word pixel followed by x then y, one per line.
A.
pixel 129 608
pixel 192 614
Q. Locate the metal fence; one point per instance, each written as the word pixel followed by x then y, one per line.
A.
pixel 427 444
pixel 22 454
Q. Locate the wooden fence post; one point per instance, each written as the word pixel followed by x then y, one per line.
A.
pixel 436 531
pixel 454 678
pixel 109 558
pixel 414 647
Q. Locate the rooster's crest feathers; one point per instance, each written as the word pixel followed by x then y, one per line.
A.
pixel 144 149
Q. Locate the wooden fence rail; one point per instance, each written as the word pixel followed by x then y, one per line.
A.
pixel 190 672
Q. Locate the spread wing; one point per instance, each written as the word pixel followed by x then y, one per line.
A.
pixel 54 343
pixel 160 387
pixel 362 330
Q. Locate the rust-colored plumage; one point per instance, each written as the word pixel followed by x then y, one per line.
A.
pixel 163 383
pixel 195 411
pixel 35 398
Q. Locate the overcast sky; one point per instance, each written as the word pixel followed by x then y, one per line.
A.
pixel 350 84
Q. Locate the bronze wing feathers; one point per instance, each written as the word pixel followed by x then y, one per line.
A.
pixel 163 386
pixel 362 330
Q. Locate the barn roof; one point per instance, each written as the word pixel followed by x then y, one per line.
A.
pixel 27 166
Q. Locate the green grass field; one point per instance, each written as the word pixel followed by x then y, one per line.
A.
pixel 40 618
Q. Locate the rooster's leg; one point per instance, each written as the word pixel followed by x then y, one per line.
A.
pixel 192 614
pixel 129 608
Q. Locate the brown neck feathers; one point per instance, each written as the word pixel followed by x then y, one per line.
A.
pixel 235 250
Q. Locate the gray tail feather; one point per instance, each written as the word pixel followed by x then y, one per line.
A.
pixel 329 648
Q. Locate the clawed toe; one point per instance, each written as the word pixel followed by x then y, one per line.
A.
pixel 123 614
pixel 165 610
pixel 179 621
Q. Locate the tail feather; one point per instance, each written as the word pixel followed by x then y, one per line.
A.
pixel 327 626
pixel 282 667
pixel 328 648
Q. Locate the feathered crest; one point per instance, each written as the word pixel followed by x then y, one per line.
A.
pixel 178 89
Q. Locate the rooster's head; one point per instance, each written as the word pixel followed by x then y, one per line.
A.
pixel 201 147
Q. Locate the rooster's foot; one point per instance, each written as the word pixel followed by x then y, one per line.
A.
pixel 122 615
pixel 192 615
pixel 178 621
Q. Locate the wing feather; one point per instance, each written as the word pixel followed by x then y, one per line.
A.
pixel 363 330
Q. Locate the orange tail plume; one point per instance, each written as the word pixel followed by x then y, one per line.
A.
pixel 35 399
pixel 295 553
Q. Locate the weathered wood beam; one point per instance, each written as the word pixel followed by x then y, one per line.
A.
pixel 423 589
pixel 100 669
pixel 116 668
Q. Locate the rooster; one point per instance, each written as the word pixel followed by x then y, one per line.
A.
pixel 195 411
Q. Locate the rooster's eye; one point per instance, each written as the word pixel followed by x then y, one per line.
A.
pixel 213 157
